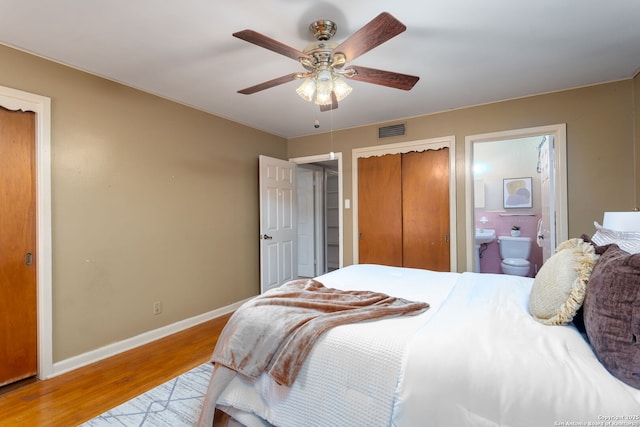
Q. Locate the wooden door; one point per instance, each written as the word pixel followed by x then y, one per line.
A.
pixel 18 305
pixel 380 210
pixel 425 210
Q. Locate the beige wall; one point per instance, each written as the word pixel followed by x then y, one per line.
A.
pixel 152 201
pixel 600 148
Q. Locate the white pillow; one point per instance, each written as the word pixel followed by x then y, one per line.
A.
pixel 628 241
pixel 559 287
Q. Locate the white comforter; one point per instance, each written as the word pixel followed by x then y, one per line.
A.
pixel 475 358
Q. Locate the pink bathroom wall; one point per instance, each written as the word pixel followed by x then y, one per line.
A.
pixel 490 258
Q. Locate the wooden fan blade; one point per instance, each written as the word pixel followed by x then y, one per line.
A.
pixel 271 44
pixel 332 106
pixel 384 78
pixel 269 84
pixel 380 29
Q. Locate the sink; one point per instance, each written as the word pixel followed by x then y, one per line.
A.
pixel 485 235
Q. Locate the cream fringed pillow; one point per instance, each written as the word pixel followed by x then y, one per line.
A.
pixel 559 287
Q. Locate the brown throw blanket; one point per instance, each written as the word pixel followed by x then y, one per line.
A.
pixel 274 332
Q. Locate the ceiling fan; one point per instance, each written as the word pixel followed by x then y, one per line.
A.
pixel 325 61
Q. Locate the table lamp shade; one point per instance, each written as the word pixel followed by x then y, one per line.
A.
pixel 621 221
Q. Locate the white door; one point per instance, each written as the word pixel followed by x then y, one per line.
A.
pixel 547 230
pixel 310 219
pixel 278 234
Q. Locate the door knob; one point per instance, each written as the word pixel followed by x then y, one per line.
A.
pixel 266 237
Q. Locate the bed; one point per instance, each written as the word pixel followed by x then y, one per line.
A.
pixel 475 357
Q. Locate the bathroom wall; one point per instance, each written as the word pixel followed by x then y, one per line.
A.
pixel 493 163
pixel 490 257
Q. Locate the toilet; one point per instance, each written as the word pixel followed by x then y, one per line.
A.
pixel 514 252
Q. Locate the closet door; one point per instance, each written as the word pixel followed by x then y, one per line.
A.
pixel 425 209
pixel 380 210
pixel 18 305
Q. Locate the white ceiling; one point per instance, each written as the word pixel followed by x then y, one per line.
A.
pixel 466 52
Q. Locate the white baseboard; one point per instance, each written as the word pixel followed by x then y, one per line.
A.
pixel 101 353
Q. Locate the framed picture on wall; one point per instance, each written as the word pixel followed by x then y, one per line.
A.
pixel 517 193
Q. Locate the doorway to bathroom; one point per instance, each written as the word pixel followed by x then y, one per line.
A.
pixel 515 180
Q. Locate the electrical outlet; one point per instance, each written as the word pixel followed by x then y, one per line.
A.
pixel 157 307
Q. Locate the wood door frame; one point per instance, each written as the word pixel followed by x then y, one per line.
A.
pixel 559 131
pixel 13 100
pixel 406 147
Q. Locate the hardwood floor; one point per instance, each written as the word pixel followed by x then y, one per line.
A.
pixel 73 398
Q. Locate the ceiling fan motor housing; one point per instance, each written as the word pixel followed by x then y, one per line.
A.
pixel 321 52
pixel 323 30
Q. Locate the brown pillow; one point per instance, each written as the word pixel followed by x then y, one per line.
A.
pixel 599 250
pixel 612 313
pixel 578 319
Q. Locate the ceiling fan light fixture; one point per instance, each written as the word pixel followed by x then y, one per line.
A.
pixel 324 76
pixel 324 87
pixel 323 96
pixel 307 89
pixel 341 88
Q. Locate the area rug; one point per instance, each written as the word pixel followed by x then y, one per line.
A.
pixel 176 403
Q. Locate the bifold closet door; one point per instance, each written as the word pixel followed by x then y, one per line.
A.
pixel 425 210
pixel 380 210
